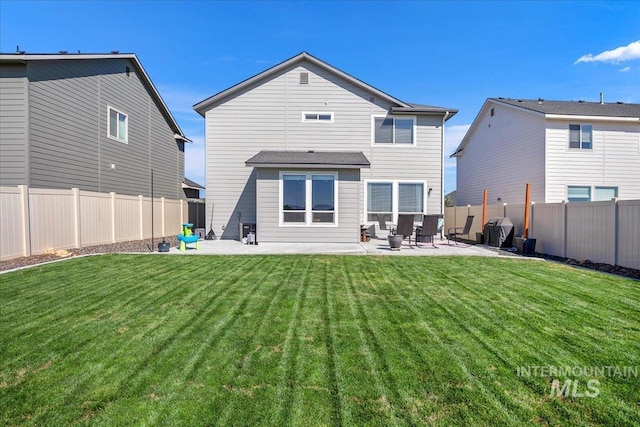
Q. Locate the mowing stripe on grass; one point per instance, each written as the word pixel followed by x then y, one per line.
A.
pixel 290 351
pixel 329 338
pixel 374 354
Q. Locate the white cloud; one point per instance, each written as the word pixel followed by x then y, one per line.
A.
pixel 625 69
pixel 619 54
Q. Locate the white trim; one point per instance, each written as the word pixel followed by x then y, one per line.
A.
pixel 318 114
pixel 308 199
pixel 591 118
pixel 126 125
pixel 395 193
pixel 414 142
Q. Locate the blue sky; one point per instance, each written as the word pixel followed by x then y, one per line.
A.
pixel 452 54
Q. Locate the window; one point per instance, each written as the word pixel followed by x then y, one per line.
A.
pixel 583 193
pixel 394 197
pixel 294 198
pixel 304 78
pixel 380 201
pixel 605 193
pixel 578 194
pixel 580 136
pixel 410 199
pixel 118 125
pixel 393 130
pixel 308 198
pixel 317 117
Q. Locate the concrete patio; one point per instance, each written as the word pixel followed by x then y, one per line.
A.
pixel 377 246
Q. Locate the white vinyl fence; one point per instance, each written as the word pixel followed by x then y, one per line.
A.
pixel 605 232
pixel 34 220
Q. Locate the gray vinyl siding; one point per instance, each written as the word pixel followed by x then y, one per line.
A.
pixel 13 126
pixel 614 160
pixel 503 154
pixel 69 140
pixel 268 116
pixel 268 219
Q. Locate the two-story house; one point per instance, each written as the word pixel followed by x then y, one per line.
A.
pixel 90 121
pixel 566 150
pixel 310 153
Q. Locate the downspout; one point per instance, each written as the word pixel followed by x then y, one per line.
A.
pixel 444 119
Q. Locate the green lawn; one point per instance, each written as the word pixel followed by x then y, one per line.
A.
pixel 303 340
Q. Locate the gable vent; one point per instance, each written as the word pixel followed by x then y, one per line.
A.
pixel 304 78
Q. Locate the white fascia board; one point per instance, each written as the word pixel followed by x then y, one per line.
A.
pixel 592 118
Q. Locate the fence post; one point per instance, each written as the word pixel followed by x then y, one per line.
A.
pixel 564 229
pixel 162 216
pixel 141 217
pixel 616 249
pixel 26 220
pixel 531 224
pixel 75 192
pixel 113 216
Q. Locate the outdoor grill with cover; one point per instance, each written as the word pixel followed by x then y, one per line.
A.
pixel 498 232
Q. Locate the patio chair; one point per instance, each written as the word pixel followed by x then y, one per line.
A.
pixel 405 226
pixel 462 230
pixel 429 228
pixel 382 223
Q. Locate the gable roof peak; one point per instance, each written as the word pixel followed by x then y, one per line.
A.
pixel 204 105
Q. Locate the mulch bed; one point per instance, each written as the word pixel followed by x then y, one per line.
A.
pixel 606 268
pixel 132 246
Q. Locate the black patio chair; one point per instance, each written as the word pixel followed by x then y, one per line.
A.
pixel 405 226
pixel 429 228
pixel 382 223
pixel 463 230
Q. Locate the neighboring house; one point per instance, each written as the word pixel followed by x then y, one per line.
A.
pixel 191 189
pixel 310 154
pixel 567 151
pixel 90 121
pixel 196 212
pixel 450 199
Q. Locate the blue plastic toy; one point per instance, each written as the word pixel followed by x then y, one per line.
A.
pixel 187 236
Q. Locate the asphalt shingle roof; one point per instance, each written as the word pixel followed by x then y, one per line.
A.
pixel 310 158
pixel 575 108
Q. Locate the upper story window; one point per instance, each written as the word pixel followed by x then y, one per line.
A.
pixel 580 136
pixel 318 117
pixel 118 124
pixel 394 130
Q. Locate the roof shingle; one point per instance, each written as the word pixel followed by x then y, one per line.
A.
pixel 355 159
pixel 575 108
